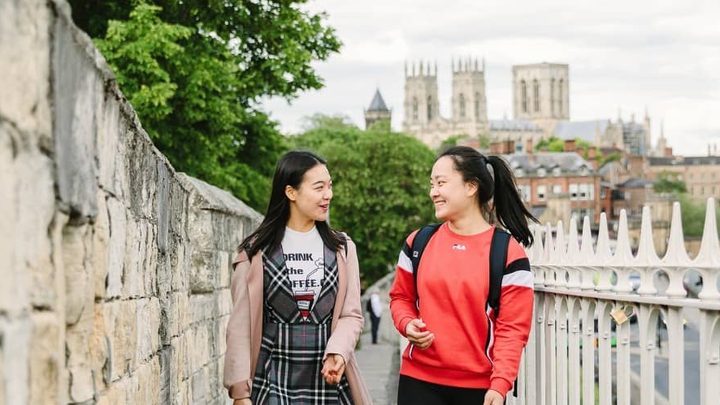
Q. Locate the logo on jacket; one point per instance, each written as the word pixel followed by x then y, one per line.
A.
pixel 458 246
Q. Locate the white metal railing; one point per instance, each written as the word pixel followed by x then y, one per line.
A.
pixel 582 352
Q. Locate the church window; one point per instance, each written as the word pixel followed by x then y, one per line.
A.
pixel 561 96
pixel 552 97
pixel 462 105
pixel 429 108
pixel 415 108
pixel 523 91
pixel 536 96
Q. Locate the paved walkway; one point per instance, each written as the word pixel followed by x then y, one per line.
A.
pixel 379 365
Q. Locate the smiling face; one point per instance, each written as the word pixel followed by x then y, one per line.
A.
pixel 311 200
pixel 452 196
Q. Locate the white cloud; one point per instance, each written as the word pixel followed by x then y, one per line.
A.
pixel 629 55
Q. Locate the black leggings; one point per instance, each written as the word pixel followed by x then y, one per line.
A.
pixel 416 392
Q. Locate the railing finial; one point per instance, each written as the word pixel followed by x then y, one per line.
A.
pixel 623 253
pixel 646 254
pixel 602 253
pixel 709 255
pixel 676 255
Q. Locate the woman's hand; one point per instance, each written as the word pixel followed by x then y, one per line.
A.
pixel 493 398
pixel 417 335
pixel 244 401
pixel 333 368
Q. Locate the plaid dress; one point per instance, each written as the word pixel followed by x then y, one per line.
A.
pixel 290 362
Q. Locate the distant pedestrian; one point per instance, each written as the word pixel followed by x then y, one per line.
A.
pixel 296 314
pixel 375 309
pixel 464 346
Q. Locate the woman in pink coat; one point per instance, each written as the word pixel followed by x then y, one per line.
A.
pixel 296 313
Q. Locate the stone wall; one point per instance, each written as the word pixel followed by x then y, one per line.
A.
pixel 114 269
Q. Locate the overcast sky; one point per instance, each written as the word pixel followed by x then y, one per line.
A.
pixel 624 57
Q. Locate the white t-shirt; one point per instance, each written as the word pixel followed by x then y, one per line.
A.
pixel 304 260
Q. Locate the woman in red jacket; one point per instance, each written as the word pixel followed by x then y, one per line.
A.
pixel 460 351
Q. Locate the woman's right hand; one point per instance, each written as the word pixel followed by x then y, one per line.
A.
pixel 417 335
pixel 244 401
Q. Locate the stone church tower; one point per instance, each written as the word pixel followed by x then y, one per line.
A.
pixel 422 106
pixel 541 93
pixel 469 103
pixel 378 113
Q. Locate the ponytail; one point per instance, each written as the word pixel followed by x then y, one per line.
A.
pixel 507 208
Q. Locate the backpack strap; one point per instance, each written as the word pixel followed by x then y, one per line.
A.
pixel 498 258
pixel 422 237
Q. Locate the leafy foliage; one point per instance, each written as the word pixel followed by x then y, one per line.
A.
pixel 195 72
pixel 668 183
pixel 380 181
pixel 693 216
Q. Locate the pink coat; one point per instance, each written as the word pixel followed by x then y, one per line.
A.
pixel 244 330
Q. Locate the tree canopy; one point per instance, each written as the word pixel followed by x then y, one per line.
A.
pixel 380 179
pixel 196 72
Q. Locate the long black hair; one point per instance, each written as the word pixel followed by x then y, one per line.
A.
pixel 289 171
pixel 507 207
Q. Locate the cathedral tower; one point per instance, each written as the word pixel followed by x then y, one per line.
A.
pixel 468 98
pixel 469 104
pixel 422 106
pixel 541 93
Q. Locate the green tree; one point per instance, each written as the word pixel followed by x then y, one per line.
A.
pixel 552 144
pixel 380 181
pixel 693 215
pixel 195 71
pixel 668 183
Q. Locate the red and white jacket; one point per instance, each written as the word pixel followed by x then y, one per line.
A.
pixel 472 348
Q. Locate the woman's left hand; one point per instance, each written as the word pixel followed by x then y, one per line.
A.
pixel 333 368
pixel 493 398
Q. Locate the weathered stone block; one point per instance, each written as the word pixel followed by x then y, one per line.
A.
pixel 24 66
pixel 133 277
pixel 100 250
pixel 202 307
pixel 117 224
pixel 200 386
pixel 77 88
pixel 148 329
pixel 200 349
pixel 221 328
pixel 205 272
pixel 120 322
pixel 78 280
pixel 16 336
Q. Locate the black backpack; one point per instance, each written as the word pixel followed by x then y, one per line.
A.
pixel 498 258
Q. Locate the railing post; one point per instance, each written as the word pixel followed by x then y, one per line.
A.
pixel 647 322
pixel 562 351
pixel 588 351
pixel 624 392
pixel 709 357
pixel 604 353
pixel 550 349
pixel 676 355
pixel 574 351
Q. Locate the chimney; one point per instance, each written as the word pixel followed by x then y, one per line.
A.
pixel 592 156
pixel 502 147
pixel 569 145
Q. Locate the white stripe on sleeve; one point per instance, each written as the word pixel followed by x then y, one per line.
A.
pixel 520 278
pixel 404 262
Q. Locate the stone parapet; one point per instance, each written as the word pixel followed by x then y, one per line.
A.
pixel 114 268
